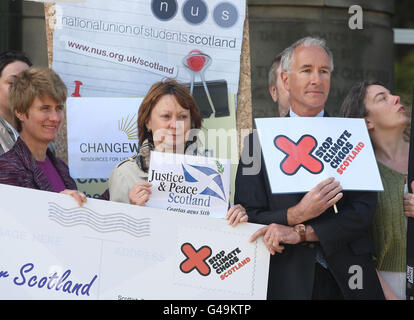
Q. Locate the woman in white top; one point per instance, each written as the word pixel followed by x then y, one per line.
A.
pixel 165 119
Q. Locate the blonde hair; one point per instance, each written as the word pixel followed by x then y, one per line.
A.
pixel 32 83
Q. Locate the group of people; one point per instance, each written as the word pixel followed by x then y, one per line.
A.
pixel 312 248
pixel 32 102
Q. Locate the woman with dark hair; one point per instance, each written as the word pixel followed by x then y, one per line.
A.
pixel 11 64
pixel 386 121
pixel 37 96
pixel 168 121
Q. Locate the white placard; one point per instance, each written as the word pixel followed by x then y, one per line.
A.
pixel 301 152
pixel 53 249
pixel 101 133
pixel 189 184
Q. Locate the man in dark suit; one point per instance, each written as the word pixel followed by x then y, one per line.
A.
pixel 316 253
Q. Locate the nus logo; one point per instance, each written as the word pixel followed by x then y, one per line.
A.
pixel 298 155
pixel 195 12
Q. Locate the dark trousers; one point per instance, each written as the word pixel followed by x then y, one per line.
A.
pixel 325 286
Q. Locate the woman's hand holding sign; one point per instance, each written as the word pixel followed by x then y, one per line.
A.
pixel 139 193
pixel 79 196
pixel 326 194
pixel 236 214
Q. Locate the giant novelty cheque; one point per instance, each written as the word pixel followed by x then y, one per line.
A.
pixel 53 249
pixel 301 152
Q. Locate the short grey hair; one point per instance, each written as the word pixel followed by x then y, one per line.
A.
pixel 287 56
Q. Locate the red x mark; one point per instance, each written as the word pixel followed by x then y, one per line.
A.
pixel 298 154
pixel 195 259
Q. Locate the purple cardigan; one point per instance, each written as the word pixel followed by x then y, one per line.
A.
pixel 18 167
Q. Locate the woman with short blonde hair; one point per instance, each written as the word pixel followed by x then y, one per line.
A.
pixel 37 97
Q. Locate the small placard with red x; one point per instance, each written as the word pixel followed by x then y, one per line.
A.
pixel 300 152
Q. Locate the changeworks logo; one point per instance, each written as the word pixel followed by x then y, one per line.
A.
pixel 128 126
pixel 202 260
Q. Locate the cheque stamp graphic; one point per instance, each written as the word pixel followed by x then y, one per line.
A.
pixel 204 262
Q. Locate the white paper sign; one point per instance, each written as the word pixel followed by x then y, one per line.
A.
pixel 101 133
pixel 53 249
pixel 301 152
pixel 189 184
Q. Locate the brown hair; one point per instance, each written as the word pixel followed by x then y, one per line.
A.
pixel 271 76
pixel 11 56
pixel 32 83
pixel 354 102
pixel 159 89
